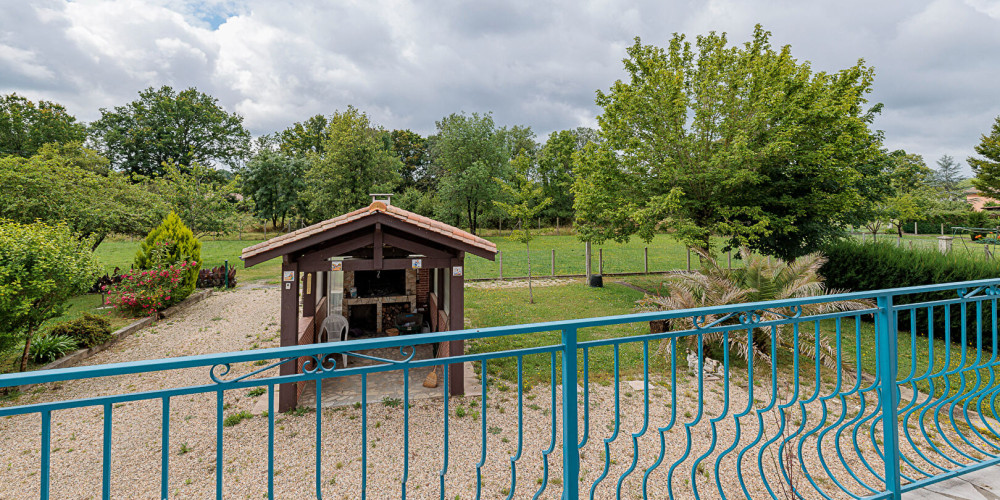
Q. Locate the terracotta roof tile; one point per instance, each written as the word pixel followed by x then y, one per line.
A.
pixel 376 207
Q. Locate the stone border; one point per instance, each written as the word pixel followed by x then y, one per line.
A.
pixel 121 333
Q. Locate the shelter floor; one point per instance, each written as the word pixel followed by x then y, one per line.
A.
pixel 983 484
pixel 344 391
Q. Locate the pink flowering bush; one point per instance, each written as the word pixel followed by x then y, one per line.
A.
pixel 146 291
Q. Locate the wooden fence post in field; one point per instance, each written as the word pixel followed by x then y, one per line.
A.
pixel 689 259
pixel 587 263
pixel 500 260
pixel 553 262
pixel 645 260
pixel 557 226
pixel 600 261
pixel 942 229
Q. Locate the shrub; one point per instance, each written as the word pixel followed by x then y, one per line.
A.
pixel 874 266
pixel 169 244
pixel 41 267
pixel 50 347
pixel 88 330
pixel 145 291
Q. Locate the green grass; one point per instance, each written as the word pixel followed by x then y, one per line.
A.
pixel 120 253
pixel 497 307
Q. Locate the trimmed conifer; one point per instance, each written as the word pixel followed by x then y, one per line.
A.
pixel 171 243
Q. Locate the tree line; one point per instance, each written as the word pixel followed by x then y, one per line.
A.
pixel 701 138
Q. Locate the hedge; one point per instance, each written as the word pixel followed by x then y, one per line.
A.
pixel 872 266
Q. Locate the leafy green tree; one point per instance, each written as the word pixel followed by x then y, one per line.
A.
pixel 55 189
pixel 275 182
pixel 948 177
pixel 555 169
pixel 527 202
pixel 411 148
pixel 207 204
pixel 304 138
pixel 471 152
pixel 75 154
pixel 26 126
pixel 41 267
pixel 171 243
pixel 987 165
pixel 754 145
pixel 417 201
pixel 164 126
pixel 356 161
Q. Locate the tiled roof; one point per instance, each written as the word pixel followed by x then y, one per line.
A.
pixel 375 208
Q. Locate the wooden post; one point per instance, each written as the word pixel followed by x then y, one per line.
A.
pixel 730 259
pixel 500 261
pixel 287 397
pixel 586 265
pixel 689 259
pixel 456 371
pixel 942 229
pixel 553 262
pixel 600 261
pixel 645 260
pixel 915 229
pixel 557 226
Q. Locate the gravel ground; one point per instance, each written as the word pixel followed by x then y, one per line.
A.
pixel 247 318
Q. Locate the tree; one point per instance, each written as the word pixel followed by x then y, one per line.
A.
pixel 356 162
pixel 54 189
pixel 471 153
pixel 205 203
pixel 41 267
pixel 555 168
pixel 26 126
pixel 164 126
pixel 526 204
pixel 275 182
pixel 304 138
pixel 947 177
pixel 756 147
pixel 172 243
pixel 987 166
pixel 411 148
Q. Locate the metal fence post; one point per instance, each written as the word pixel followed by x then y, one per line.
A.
pixel 645 260
pixel 500 261
pixel 689 259
pixel 888 394
pixel 553 262
pixel 586 265
pixel 570 434
pixel 227 274
pixel 600 261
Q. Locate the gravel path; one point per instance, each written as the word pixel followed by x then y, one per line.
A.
pixel 247 318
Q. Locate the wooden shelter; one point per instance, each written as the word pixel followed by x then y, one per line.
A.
pixel 370 265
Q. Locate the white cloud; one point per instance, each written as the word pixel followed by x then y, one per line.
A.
pixel 408 64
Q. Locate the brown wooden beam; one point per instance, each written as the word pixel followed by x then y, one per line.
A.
pixel 337 250
pixel 412 246
pixel 456 372
pixel 287 398
pixel 377 246
pixel 369 265
pixel 309 294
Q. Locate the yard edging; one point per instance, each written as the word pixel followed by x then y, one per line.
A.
pixel 82 354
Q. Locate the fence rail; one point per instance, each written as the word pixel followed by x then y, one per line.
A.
pixel 860 395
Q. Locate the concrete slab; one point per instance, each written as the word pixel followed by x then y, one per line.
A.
pixel 983 484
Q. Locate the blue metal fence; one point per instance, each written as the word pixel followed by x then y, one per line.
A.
pixel 855 403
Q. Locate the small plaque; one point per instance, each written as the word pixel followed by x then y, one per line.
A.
pixel 456 271
pixel 416 263
pixel 337 265
pixel 289 276
pixel 288 286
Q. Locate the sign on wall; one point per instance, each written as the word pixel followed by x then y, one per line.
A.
pixel 337 265
pixel 416 263
pixel 289 276
pixel 456 271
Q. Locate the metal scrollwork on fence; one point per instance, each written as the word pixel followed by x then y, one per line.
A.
pixel 225 367
pixel 408 356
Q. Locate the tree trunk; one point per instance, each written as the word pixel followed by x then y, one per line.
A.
pixel 24 356
pixel 97 242
pixel 531 294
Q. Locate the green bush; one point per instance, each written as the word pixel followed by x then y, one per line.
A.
pixel 171 243
pixel 873 266
pixel 50 347
pixel 88 330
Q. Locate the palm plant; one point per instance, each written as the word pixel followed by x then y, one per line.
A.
pixel 761 279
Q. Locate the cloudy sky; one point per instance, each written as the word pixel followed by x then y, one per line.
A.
pixel 529 62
